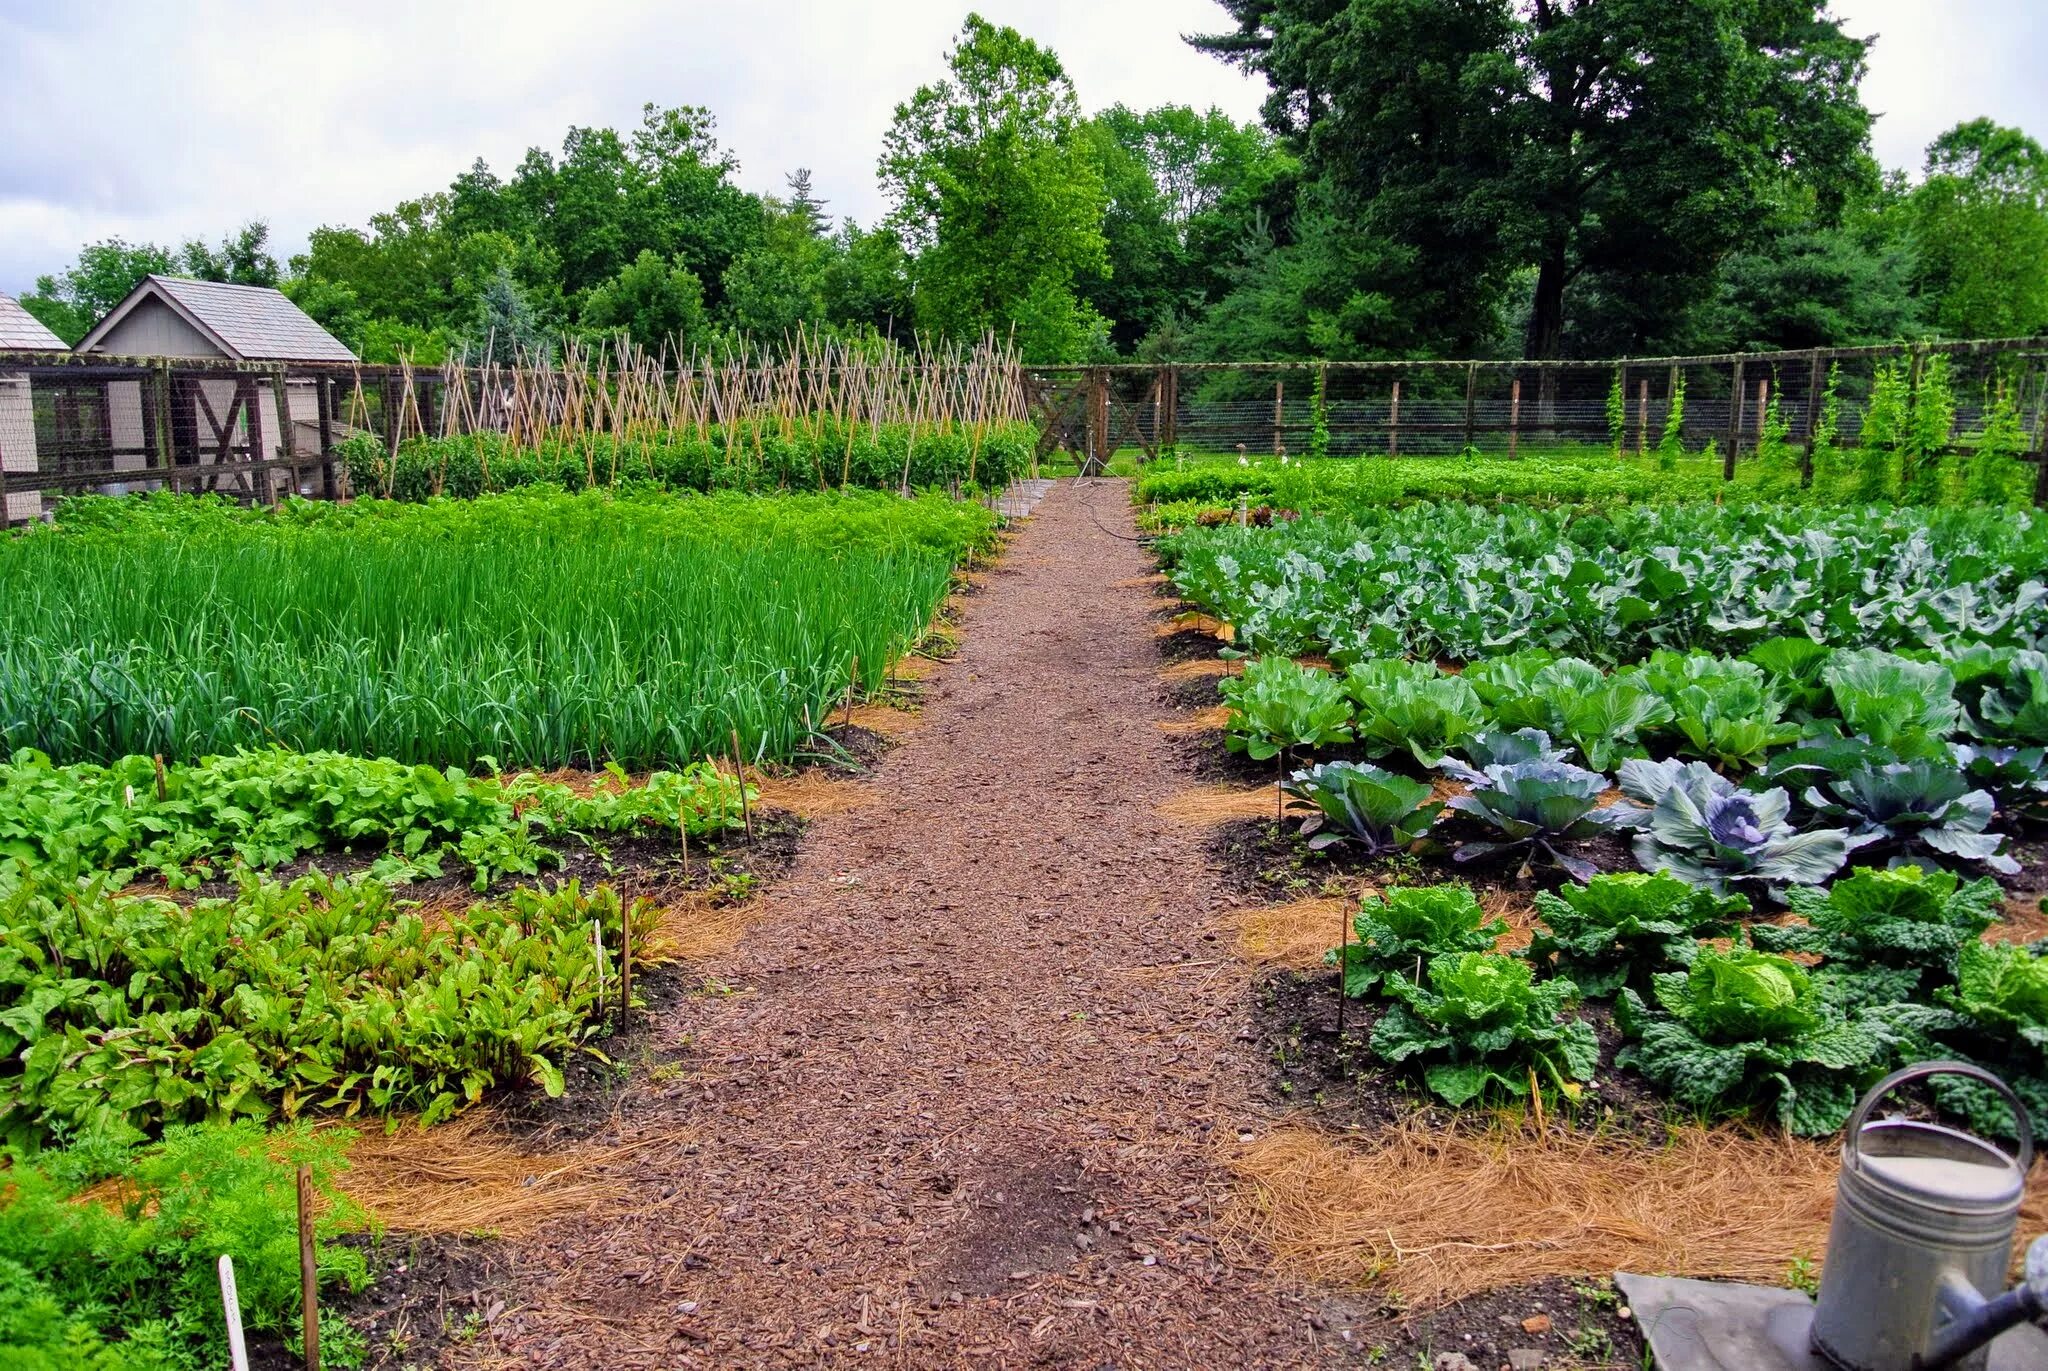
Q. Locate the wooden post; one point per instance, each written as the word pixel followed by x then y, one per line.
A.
pixel 161 404
pixel 281 406
pixel 625 963
pixel 1816 382
pixel 1279 424
pixel 1734 423
pixel 1471 399
pixel 1158 404
pixel 1170 437
pixel 1394 422
pixel 1643 417
pixel 325 398
pixel 1763 404
pixel 1514 416
pixel 309 1272
pixel 739 771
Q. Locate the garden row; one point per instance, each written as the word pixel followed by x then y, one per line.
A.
pixel 816 453
pixel 532 629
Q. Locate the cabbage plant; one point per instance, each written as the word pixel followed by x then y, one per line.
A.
pixel 1535 806
pixel 2017 778
pixel 1892 700
pixel 1704 829
pixel 1921 805
pixel 1745 1029
pixel 1619 929
pixel 1277 705
pixel 1494 748
pixel 1398 931
pixel 2016 709
pixel 1362 804
pixel 1483 1021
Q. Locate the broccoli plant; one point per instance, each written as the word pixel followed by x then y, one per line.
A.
pixel 1493 748
pixel 1746 1029
pixel 1888 935
pixel 1485 1021
pixel 1921 805
pixel 1535 806
pixel 1705 830
pixel 1362 804
pixel 1618 929
pixel 1277 705
pixel 1398 931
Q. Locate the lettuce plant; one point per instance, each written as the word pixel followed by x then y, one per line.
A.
pixel 1493 748
pixel 1743 1029
pixel 1617 929
pixel 1888 935
pixel 1534 806
pixel 1921 805
pixel 1484 1021
pixel 1705 830
pixel 1277 704
pixel 1398 931
pixel 1362 804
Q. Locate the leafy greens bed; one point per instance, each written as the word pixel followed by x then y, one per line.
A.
pixel 1461 582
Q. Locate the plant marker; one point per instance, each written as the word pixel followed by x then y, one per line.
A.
pixel 231 1306
pixel 309 1272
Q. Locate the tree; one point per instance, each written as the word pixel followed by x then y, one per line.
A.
pixel 660 304
pixel 1980 230
pixel 243 259
pixel 994 192
pixel 867 281
pixel 71 302
pixel 1639 140
pixel 806 204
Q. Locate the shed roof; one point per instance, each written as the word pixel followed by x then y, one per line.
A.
pixel 248 323
pixel 21 331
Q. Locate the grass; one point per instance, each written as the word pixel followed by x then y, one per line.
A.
pixel 535 629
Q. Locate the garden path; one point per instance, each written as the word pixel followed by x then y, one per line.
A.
pixel 970 1094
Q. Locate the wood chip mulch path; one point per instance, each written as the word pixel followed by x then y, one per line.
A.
pixel 963 1093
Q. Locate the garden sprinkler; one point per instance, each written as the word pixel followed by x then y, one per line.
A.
pixel 1917 1255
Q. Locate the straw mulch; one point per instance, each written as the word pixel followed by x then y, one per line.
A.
pixel 469 1176
pixel 1292 935
pixel 1194 623
pixel 1195 668
pixel 812 794
pixel 1216 804
pixel 1201 721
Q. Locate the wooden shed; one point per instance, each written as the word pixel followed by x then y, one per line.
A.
pixel 20 332
pixel 230 417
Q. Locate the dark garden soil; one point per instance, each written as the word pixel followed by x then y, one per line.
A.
pixel 1263 861
pixel 960 1092
pixel 1572 1323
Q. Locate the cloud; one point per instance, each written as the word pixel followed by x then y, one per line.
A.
pixel 169 122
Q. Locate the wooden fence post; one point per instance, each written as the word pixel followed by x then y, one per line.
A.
pixel 1279 436
pixel 1734 423
pixel 1643 416
pixel 1471 398
pixel 1514 416
pixel 1171 437
pixel 1394 422
pixel 309 1274
pixel 2041 443
pixel 1816 382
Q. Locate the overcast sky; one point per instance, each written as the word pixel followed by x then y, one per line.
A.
pixel 163 121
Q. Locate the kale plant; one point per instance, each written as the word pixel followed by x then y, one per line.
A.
pixel 1278 705
pixel 1535 806
pixel 1743 1029
pixel 1485 1021
pixel 1398 931
pixel 1366 805
pixel 1704 829
pixel 1618 929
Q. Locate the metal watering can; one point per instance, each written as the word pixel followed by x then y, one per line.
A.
pixel 1922 1239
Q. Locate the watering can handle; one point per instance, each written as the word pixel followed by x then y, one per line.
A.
pixel 1852 1151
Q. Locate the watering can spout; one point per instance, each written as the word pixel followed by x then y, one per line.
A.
pixel 1970 1320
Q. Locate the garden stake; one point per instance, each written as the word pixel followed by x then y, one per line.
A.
pixel 1343 958
pixel 309 1272
pixel 739 769
pixel 851 682
pixel 163 788
pixel 625 965
pixel 231 1306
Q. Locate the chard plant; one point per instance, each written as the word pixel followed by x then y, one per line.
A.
pixel 1703 829
pixel 1535 807
pixel 1399 931
pixel 1483 1023
pixel 1277 705
pixel 1618 929
pixel 1743 1030
pixel 1373 808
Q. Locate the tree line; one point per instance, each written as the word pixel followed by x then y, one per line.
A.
pixel 1429 178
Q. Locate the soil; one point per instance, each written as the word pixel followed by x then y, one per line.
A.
pixel 1263 861
pixel 1581 1323
pixel 960 1091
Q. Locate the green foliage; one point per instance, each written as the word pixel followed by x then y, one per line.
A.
pixel 1277 705
pixel 1422 713
pixel 125 1279
pixel 1483 1023
pixel 658 304
pixel 265 809
pixel 1617 415
pixel 1319 416
pixel 1398 931
pixel 121 1015
pixel 535 628
pixel 1979 225
pixel 1703 829
pixel 1376 809
pixel 1616 930
pixel 1888 935
pixel 1745 1029
pixel 1671 442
